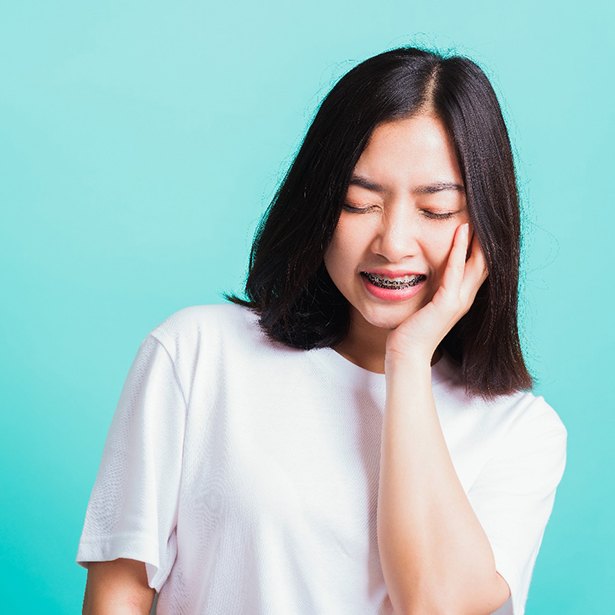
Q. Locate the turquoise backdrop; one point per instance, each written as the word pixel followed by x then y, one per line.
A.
pixel 140 142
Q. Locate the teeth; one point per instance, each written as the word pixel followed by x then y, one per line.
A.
pixel 400 282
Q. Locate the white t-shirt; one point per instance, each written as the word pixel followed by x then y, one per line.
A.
pixel 244 473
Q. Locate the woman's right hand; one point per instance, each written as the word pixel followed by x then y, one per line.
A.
pixel 118 587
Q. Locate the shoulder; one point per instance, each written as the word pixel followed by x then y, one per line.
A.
pixel 535 438
pixel 220 347
pixel 520 416
pixel 517 411
pixel 532 417
pixel 201 327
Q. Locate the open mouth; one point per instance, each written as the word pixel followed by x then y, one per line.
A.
pixel 405 281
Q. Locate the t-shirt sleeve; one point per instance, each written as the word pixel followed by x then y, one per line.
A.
pixel 514 495
pixel 132 510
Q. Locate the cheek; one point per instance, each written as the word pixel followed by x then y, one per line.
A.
pixel 333 258
pixel 343 250
pixel 438 247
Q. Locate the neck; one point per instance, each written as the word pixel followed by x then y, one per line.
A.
pixel 360 351
pixel 365 346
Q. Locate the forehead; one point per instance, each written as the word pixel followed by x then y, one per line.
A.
pixel 412 151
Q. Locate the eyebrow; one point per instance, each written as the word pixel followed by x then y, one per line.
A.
pixel 363 182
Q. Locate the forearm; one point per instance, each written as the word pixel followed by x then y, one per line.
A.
pixel 434 553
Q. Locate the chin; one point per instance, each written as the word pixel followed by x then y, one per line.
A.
pixel 391 320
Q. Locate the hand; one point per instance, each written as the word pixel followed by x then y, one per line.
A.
pixel 419 335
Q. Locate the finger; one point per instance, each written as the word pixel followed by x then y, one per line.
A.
pixel 476 271
pixel 477 261
pixel 453 275
pixel 471 243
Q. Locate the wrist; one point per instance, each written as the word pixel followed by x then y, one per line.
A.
pixel 411 359
pixel 409 380
pixel 407 367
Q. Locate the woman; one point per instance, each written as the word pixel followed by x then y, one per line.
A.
pixel 358 435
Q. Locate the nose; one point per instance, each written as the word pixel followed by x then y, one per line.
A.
pixel 397 236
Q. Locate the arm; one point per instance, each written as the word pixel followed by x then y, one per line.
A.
pixel 435 556
pixel 118 587
pixel 131 515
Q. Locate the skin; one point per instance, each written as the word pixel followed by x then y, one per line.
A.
pixel 434 553
pixel 117 587
pixel 394 230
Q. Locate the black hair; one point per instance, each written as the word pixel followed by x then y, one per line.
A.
pixel 287 283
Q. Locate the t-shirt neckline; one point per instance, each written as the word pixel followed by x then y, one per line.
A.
pixel 440 371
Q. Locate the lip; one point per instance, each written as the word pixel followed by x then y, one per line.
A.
pixel 391 295
pixel 391 274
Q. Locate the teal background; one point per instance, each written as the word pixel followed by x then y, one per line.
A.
pixel 139 144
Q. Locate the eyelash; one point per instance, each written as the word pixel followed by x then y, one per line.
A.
pixel 438 216
pixel 432 215
pixel 354 209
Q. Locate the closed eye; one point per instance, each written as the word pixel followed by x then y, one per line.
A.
pixel 432 215
pixel 435 215
pixel 359 210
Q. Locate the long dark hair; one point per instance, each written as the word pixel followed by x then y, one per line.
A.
pixel 287 282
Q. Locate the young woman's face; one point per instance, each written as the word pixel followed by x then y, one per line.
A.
pixel 393 237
